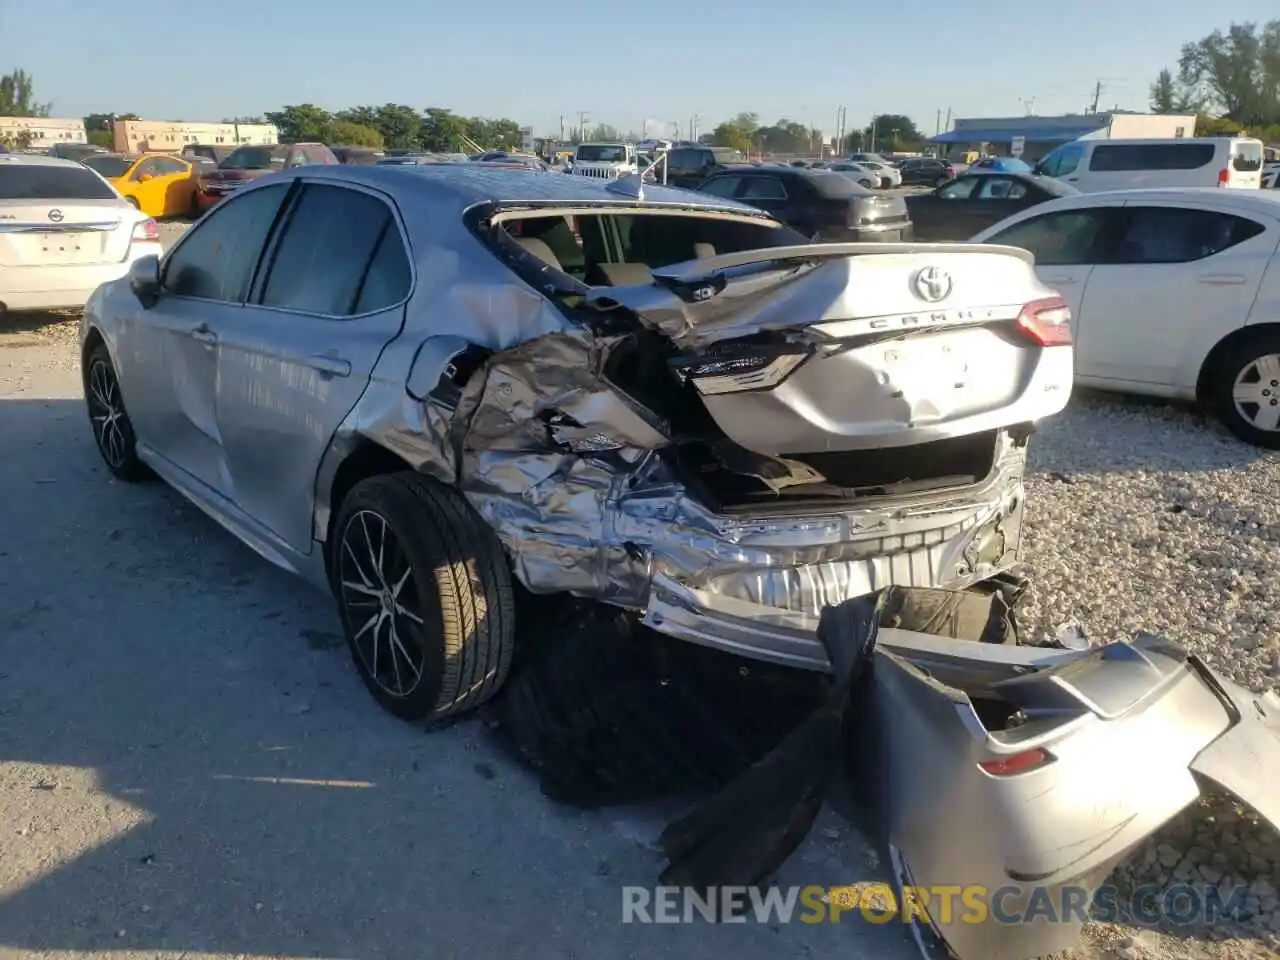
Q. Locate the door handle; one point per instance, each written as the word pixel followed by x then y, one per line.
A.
pixel 1221 279
pixel 1062 280
pixel 330 365
pixel 204 335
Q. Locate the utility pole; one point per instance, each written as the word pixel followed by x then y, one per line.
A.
pixel 872 148
pixel 937 123
pixel 946 124
pixel 1097 95
pixel 561 128
pixel 582 124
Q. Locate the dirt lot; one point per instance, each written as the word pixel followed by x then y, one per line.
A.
pixel 190 766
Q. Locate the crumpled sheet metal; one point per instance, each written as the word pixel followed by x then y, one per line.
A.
pixel 768 300
pixel 558 373
pixel 605 524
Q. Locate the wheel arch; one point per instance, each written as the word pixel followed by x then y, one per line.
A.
pixel 364 460
pixel 1209 368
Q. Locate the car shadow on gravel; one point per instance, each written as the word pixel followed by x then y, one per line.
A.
pixel 188 762
pixel 23 329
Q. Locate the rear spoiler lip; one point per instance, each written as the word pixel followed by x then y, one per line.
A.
pixel 691 270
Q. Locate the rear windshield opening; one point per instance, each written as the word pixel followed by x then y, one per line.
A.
pixel 602 154
pixel 612 249
pixel 253 158
pixel 40 182
pixel 921 467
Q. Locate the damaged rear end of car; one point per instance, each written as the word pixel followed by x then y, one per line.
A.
pixel 732 430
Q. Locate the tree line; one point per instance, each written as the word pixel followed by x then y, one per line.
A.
pixel 889 132
pixel 1230 79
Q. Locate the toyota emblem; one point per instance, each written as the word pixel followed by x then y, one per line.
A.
pixel 932 284
pixel 55 216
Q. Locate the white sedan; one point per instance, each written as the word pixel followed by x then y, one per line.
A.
pixel 63 231
pixel 887 172
pixel 1174 293
pixel 859 173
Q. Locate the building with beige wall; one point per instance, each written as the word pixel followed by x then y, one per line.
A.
pixel 131 136
pixel 42 132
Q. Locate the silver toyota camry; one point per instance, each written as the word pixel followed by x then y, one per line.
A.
pixel 422 386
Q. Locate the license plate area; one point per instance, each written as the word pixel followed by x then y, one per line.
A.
pixel 64 246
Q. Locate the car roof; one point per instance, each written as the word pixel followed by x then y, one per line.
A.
pixel 39 160
pixel 471 183
pixel 1263 201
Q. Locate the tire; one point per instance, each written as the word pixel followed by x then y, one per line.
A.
pixel 112 430
pixel 1252 369
pixel 440 602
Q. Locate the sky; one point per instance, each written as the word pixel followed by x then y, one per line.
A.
pixel 619 63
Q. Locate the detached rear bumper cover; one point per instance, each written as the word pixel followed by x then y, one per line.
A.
pixel 1131 732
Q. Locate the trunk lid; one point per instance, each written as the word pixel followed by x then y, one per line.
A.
pixel 837 347
pixel 63 234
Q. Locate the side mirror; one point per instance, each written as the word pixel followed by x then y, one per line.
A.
pixel 144 177
pixel 144 279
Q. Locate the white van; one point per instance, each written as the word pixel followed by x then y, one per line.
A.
pixel 1095 165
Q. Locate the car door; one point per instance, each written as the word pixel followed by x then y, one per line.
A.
pixel 1066 245
pixel 170 348
pixel 1179 275
pixel 293 363
pixel 998 196
pixel 146 187
pixel 943 213
pixel 175 184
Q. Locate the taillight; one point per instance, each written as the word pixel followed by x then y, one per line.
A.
pixel 1047 321
pixel 147 230
pixel 1224 177
pixel 1018 763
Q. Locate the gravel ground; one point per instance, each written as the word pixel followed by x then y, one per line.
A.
pixel 189 764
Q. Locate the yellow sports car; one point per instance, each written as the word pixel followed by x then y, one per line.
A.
pixel 158 184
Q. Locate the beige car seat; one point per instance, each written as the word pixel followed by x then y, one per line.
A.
pixel 703 251
pixel 626 274
pixel 540 250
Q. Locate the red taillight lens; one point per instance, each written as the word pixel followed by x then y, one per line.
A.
pixel 147 230
pixel 1224 177
pixel 1017 763
pixel 1047 321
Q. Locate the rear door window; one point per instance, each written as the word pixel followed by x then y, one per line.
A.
pixel 1180 234
pixel 217 257
pixel 763 188
pixel 31 181
pixel 329 240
